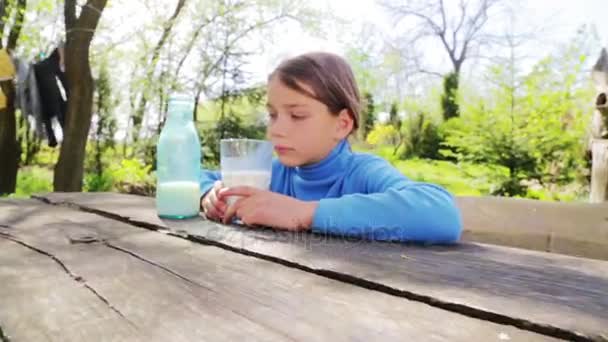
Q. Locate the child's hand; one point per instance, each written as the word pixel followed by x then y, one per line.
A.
pixel 266 208
pixel 213 207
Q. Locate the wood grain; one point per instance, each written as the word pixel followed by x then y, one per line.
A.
pixel 577 229
pixel 152 286
pixel 549 293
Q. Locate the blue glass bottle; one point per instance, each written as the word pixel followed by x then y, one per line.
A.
pixel 178 162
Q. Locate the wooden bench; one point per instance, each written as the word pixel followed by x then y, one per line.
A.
pixel 77 267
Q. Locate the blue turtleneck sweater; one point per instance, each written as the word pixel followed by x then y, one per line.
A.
pixel 362 195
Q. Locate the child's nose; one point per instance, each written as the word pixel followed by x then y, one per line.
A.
pixel 278 128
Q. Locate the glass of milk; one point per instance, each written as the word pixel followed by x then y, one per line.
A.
pixel 245 162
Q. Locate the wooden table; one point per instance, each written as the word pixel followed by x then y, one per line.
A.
pixel 104 267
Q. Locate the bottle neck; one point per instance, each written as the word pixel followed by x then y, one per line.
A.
pixel 181 117
pixel 179 112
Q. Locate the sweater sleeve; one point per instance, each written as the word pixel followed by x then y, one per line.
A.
pixel 388 206
pixel 206 180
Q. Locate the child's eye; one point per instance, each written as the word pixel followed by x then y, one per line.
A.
pixel 298 116
pixel 272 116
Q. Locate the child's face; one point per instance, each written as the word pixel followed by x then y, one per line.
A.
pixel 302 129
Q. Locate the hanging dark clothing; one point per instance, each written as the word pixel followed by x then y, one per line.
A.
pixel 49 78
pixel 27 98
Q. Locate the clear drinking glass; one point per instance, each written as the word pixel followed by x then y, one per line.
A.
pixel 245 162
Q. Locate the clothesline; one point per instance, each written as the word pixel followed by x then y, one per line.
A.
pixel 41 91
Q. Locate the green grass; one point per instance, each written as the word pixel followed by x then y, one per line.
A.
pixel 33 179
pixel 467 179
pixel 460 179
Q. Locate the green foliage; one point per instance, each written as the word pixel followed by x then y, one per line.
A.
pixel 230 126
pixel 46 157
pixel 132 176
pixel 535 132
pixel 463 179
pixel 238 114
pixel 393 116
pixel 415 136
pixel 368 115
pixel 365 72
pixel 31 180
pixel 28 140
pixel 94 182
pixel 101 137
pixel 449 99
pixel 383 135
pixel 421 137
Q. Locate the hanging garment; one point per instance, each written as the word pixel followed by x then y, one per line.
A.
pixel 52 88
pixel 27 98
pixel 7 72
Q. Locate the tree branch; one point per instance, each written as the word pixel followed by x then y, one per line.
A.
pixel 166 31
pixel 411 12
pixel 13 36
pixel 90 13
pixel 476 24
pixel 443 21
pixel 192 41
pixel 229 44
pixel 463 12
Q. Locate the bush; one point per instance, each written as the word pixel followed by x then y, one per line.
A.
pixel 31 180
pixel 418 137
pixel 383 135
pixel 96 183
pixel 131 177
pixel 536 134
pixel 422 138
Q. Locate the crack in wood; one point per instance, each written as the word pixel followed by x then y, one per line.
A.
pixel 76 278
pixel 190 281
pixel 431 301
pixel 548 330
pixel 166 269
pixel 7 235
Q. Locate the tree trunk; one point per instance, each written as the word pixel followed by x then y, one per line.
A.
pixel 69 169
pixel 9 149
pixel 598 146
pixel 599 171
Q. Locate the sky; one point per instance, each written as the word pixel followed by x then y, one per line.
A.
pixel 556 21
pixel 558 18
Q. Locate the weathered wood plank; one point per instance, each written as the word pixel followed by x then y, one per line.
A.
pixel 543 292
pixel 172 289
pixel 578 229
pixel 40 301
pixel 599 169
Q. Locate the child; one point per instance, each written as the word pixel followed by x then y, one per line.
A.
pixel 318 183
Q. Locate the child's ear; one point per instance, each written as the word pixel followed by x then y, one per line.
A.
pixel 344 125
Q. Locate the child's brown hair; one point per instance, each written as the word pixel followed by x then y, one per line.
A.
pixel 330 77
